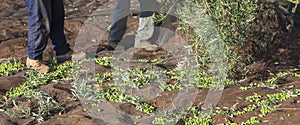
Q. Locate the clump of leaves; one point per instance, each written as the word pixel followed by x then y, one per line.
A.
pixel 10 65
pixel 166 118
pixel 191 117
pixel 266 105
pixel 103 61
pixel 246 27
pixel 269 83
pixel 85 90
pixel 35 79
pixel 39 106
pixel 196 117
pixel 134 78
pixel 252 120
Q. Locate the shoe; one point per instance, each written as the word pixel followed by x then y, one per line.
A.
pixel 117 46
pixel 113 45
pixel 70 56
pixel 37 65
pixel 146 45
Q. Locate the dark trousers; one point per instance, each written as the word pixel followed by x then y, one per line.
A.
pixel 296 16
pixel 46 20
pixel 120 15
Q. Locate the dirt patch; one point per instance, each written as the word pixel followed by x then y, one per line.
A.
pixel 6 83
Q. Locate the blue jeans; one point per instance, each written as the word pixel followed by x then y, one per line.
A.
pixel 46 20
pixel 120 15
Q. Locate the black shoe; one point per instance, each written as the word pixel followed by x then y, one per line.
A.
pixel 113 45
pixel 71 56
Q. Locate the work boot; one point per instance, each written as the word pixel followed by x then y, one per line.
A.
pixel 37 65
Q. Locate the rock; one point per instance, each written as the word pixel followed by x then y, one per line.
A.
pixel 256 67
pixel 6 83
pixel 4 121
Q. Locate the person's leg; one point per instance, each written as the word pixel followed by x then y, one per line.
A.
pixel 38 27
pixel 119 20
pixel 57 36
pixel 38 32
pixel 296 16
pixel 147 7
